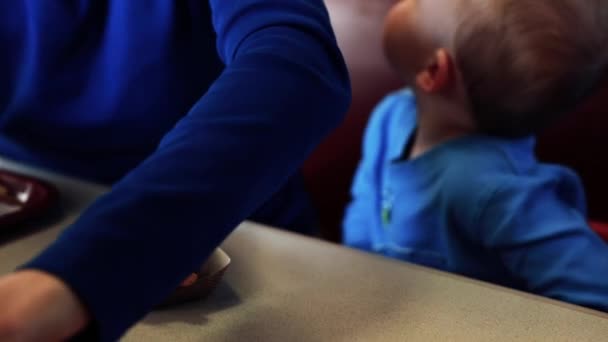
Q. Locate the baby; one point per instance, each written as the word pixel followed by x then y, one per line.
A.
pixel 448 177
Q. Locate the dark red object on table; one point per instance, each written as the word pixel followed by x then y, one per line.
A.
pixel 23 198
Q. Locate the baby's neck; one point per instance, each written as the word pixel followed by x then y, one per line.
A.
pixel 437 124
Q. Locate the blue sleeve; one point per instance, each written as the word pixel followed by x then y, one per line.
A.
pixel 284 88
pixel 363 210
pixel 542 236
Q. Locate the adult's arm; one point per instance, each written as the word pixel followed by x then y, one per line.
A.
pixel 284 88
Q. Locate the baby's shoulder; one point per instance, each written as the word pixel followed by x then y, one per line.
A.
pixel 399 100
pixel 396 106
pixel 486 171
pixel 477 166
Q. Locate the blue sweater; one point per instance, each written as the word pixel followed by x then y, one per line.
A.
pixel 91 87
pixel 478 206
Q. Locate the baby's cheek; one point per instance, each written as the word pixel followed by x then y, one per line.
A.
pixel 399 39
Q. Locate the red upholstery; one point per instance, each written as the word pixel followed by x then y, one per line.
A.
pixel 601 229
pixel 580 141
pixel 577 140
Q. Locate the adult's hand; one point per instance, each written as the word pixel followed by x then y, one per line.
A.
pixel 37 306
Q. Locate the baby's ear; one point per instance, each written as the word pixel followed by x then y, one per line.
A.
pixel 438 74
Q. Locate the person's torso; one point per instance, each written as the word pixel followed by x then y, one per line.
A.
pixel 89 87
pixel 412 217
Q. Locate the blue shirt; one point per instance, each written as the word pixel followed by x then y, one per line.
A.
pixel 479 206
pixel 202 109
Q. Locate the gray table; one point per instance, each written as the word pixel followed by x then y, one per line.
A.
pixel 284 287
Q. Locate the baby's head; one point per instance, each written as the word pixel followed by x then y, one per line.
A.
pixel 517 64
